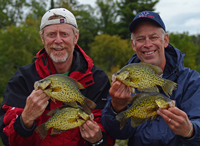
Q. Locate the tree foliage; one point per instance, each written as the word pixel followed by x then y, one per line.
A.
pixel 11 12
pixel 106 10
pixel 128 9
pixel 184 43
pixel 110 53
pixel 17 46
pixel 196 40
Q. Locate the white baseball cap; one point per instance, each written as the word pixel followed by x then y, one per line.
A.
pixel 69 17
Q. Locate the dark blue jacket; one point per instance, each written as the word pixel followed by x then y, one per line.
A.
pixel 157 133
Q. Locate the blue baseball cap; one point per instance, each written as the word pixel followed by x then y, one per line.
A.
pixel 146 15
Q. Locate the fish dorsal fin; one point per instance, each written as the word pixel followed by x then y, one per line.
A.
pixel 71 104
pixel 78 84
pixel 154 67
pixel 53 111
pixel 133 98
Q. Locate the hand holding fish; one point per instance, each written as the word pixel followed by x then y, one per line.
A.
pixel 91 131
pixel 35 106
pixel 177 120
pixel 120 94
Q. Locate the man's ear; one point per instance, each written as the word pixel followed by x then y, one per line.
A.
pixel 166 39
pixel 76 38
pixel 133 45
pixel 42 38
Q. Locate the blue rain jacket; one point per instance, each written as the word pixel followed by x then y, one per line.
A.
pixel 157 132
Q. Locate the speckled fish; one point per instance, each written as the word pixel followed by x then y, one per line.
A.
pixel 144 106
pixel 143 76
pixel 63 118
pixel 63 88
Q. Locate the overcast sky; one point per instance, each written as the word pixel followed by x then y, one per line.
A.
pixel 178 15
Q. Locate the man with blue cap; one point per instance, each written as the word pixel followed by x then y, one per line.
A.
pixel 174 126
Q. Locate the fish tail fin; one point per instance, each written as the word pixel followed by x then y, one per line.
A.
pixel 168 87
pixel 122 119
pixel 41 130
pixel 88 105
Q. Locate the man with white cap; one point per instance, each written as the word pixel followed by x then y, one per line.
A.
pixel 24 108
pixel 175 126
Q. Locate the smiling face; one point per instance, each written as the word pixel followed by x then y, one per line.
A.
pixel 59 41
pixel 148 41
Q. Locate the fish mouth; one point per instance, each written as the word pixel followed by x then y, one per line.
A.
pixel 91 117
pixel 81 118
pixel 37 86
pixel 48 87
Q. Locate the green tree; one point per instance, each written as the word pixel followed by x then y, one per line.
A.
pixel 110 53
pixel 184 43
pixel 127 10
pixel 11 12
pixel 33 17
pixel 17 46
pixel 196 40
pixel 87 25
pixel 71 5
pixel 106 10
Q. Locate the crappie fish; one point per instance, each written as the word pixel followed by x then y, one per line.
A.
pixel 143 76
pixel 144 106
pixel 63 88
pixel 63 118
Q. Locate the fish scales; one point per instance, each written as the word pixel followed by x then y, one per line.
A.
pixel 147 76
pixel 144 106
pixel 68 90
pixel 139 109
pixel 65 89
pixel 63 118
pixel 144 77
pixel 60 120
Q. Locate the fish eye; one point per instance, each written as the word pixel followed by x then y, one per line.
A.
pixel 41 81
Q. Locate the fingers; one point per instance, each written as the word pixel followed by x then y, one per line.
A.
pixel 91 131
pixel 177 120
pixel 35 106
pixel 90 125
pixel 176 115
pixel 119 90
pixel 120 94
